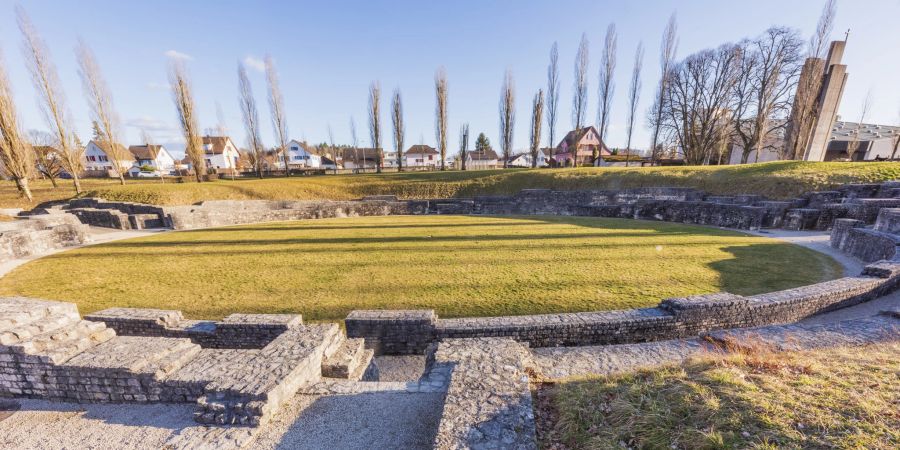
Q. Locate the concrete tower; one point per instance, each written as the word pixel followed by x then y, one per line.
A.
pixel 816 103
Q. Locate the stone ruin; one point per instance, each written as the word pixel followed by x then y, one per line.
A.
pixel 40 234
pixel 239 370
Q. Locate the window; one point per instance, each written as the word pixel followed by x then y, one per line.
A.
pixel 430 157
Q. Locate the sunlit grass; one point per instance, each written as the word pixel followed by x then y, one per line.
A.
pixel 776 180
pixel 458 265
pixel 835 398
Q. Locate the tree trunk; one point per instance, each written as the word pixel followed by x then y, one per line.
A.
pixel 24 190
pixel 121 178
pixel 53 182
pixel 77 183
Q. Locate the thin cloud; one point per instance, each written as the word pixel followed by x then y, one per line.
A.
pixel 255 63
pixel 175 54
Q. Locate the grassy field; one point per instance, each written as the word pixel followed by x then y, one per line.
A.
pixel 837 398
pixel 458 265
pixel 777 180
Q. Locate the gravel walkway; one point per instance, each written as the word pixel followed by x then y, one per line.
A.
pixel 400 368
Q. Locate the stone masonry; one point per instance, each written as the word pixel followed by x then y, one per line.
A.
pixel 47 351
pixel 411 332
pixel 34 235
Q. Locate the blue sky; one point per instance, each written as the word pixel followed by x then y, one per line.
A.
pixel 327 53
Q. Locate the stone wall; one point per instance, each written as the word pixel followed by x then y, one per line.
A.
pixel 852 237
pixel 246 331
pixel 35 235
pixel 410 332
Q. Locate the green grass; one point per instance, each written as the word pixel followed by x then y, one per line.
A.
pixel 458 265
pixel 824 399
pixel 776 180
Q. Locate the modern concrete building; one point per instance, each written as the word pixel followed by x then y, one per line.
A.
pixel 814 112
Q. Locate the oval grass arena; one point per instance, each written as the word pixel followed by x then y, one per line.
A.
pixel 457 265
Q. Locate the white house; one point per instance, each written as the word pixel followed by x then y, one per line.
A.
pixel 97 158
pixel 422 156
pixel 486 159
pixel 151 156
pixel 220 152
pixel 524 159
pixel 359 158
pixel 300 157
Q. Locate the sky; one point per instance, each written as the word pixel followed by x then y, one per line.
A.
pixel 328 53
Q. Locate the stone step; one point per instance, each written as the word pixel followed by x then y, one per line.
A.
pixel 140 355
pixel 48 324
pixel 347 361
pixel 60 344
pixel 19 311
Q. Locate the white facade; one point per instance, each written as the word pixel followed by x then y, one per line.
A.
pixel 97 160
pixel 524 160
pixel 162 164
pixel 300 157
pixel 422 160
pixel 220 153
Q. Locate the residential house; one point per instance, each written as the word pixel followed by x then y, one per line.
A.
pixel 154 157
pixel 98 159
pixel 220 153
pixel 300 156
pixel 422 155
pixel 578 146
pixel 359 158
pixel 484 159
pixel 523 159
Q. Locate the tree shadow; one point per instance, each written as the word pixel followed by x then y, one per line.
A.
pixel 750 271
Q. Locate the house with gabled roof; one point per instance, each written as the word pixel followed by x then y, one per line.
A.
pixel 421 155
pixel 220 152
pixel 482 159
pixel 155 157
pixel 98 158
pixel 578 146
pixel 299 156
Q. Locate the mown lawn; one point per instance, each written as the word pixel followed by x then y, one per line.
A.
pixel 776 180
pixel 845 398
pixel 458 265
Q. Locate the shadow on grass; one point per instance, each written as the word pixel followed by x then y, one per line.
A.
pixel 751 271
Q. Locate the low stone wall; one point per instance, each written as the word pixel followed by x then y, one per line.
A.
pixel 411 332
pixel 869 244
pixel 39 234
pixel 239 331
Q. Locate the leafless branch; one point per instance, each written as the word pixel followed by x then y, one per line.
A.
pixel 183 96
pixel 607 84
pixel 397 119
pixel 249 112
pixel 552 97
pixel 375 123
pixel 440 114
pixel 634 93
pixel 507 115
pixel 579 98
pixel 537 111
pixel 100 100
pixel 276 106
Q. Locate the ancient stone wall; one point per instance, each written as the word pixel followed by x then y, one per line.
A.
pixel 410 332
pixel 35 235
pixel 247 331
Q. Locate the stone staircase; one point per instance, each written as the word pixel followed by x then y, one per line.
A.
pixel 48 351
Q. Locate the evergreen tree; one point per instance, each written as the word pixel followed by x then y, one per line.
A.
pixel 482 144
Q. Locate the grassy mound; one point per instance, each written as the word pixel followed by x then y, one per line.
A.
pixel 458 265
pixel 776 180
pixel 836 398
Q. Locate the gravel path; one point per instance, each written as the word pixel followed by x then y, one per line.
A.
pixel 362 421
pixel 400 368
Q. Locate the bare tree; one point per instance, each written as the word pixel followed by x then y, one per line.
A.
pixel 768 69
pixel 634 93
pixel 375 122
pixel 440 114
pixel 333 147
pixel 666 60
pixel 854 144
pixel 607 85
pixel 507 115
pixel 397 119
pixel 104 115
pixel 251 119
pixel 53 101
pixel 16 156
pixel 183 96
pixel 47 157
pixel 463 145
pixel 552 98
pixel 896 146
pixel 355 141
pixel 276 106
pixel 818 43
pixel 537 112
pixel 579 98
pixel 699 100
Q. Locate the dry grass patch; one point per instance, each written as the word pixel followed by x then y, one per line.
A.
pixel 835 398
pixel 782 179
